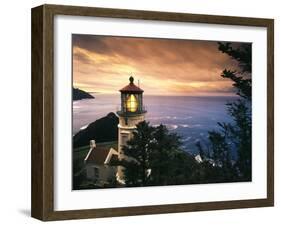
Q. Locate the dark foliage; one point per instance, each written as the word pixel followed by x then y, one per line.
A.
pixel 239 133
pixel 242 85
pixel 139 149
pixel 156 159
pixel 242 54
pixel 242 80
pixel 241 136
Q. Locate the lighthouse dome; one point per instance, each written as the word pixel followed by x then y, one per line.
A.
pixel 131 87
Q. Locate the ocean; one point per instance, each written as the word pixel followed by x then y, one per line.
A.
pixel 191 117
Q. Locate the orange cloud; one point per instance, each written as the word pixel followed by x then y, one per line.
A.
pixel 163 66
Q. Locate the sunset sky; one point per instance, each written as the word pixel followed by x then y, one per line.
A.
pixel 163 66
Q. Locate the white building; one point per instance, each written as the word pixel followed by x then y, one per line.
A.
pixel 99 164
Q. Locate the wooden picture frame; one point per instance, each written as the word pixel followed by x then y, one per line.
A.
pixel 43 107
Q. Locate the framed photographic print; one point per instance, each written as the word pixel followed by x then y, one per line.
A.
pixel 141 112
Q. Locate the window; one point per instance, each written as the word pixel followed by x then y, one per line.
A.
pixel 96 172
pixel 125 138
pixel 131 103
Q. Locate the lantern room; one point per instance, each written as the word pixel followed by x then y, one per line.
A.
pixel 131 99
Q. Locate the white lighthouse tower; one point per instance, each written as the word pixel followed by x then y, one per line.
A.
pixel 132 112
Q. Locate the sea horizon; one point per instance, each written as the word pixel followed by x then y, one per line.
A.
pixel 191 117
pixel 169 95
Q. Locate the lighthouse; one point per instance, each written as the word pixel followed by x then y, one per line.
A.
pixel 131 113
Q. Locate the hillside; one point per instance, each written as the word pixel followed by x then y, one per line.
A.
pixel 78 94
pixel 102 130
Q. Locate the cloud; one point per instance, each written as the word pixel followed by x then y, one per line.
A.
pixel 164 66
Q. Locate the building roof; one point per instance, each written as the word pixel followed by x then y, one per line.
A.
pixel 101 156
pixel 97 155
pixel 131 88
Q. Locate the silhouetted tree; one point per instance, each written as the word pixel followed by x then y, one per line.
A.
pixel 138 149
pixel 241 136
pixel 154 157
pixel 220 148
pixel 165 146
pixel 238 133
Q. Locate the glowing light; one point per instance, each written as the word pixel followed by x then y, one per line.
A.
pixel 132 103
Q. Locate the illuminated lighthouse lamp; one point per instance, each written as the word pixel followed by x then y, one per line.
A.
pixel 131 99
